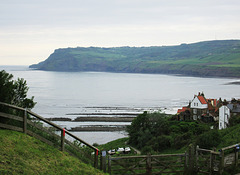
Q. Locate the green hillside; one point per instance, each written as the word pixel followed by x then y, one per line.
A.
pixel 22 154
pixel 208 58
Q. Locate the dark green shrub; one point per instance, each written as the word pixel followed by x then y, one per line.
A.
pixel 234 120
pixel 162 142
pixel 147 150
pixel 209 139
pixel 182 140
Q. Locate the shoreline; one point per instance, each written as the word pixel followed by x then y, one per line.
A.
pixel 233 83
pixel 98 128
pixel 93 119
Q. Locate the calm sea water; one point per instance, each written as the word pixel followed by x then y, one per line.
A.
pixel 61 93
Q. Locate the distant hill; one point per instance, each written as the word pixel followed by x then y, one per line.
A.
pixel 209 58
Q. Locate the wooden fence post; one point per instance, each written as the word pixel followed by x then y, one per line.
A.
pixel 103 161
pixel 186 163
pixel 236 154
pixel 62 139
pixel 109 165
pixel 96 159
pixel 211 163
pixel 149 165
pixel 25 121
pixel 191 160
pixel 221 164
pixel 197 156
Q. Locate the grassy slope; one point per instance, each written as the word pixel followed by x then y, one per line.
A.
pixel 22 154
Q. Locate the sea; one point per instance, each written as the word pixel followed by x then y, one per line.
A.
pixel 73 94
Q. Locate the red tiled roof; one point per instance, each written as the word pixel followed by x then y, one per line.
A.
pixel 210 107
pixel 202 99
pixel 179 110
pixel 182 110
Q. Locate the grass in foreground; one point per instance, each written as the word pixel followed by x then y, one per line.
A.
pixel 22 154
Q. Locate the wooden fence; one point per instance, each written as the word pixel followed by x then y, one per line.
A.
pixel 20 119
pixel 194 161
pixel 147 164
pixel 212 161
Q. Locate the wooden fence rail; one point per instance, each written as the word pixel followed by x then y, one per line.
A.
pixel 194 161
pixel 48 135
pixel 212 161
pixel 146 164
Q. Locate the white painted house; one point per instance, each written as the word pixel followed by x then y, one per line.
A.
pixel 224 115
pixel 198 104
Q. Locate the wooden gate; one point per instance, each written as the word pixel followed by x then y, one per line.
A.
pixel 148 164
pixel 211 161
pixel 207 161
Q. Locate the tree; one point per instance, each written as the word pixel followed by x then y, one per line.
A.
pixel 14 91
pixel 146 127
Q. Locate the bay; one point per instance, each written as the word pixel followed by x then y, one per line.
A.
pixel 61 93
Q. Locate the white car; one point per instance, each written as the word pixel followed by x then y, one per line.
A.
pixel 120 150
pixel 127 150
pixel 111 152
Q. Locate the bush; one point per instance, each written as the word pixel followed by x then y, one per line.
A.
pixel 147 150
pixel 182 140
pixel 162 142
pixel 234 120
pixel 209 139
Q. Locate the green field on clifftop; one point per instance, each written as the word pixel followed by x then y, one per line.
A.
pixel 209 58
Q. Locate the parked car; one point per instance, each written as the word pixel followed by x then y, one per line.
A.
pixel 111 152
pixel 120 150
pixel 127 150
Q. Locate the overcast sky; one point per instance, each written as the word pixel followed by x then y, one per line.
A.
pixel 30 30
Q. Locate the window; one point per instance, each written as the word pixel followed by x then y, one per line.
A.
pixel 194 111
pixel 194 117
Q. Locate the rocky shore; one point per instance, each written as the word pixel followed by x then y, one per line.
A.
pixel 98 128
pixel 94 119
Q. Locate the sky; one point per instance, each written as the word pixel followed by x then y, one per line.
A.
pixel 30 30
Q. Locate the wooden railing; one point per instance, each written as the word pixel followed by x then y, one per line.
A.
pixel 26 121
pixel 148 164
pixel 194 161
pixel 212 161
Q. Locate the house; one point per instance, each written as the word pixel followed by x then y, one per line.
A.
pixel 184 114
pixel 198 106
pixel 234 108
pixel 210 110
pixel 224 116
pixel 227 110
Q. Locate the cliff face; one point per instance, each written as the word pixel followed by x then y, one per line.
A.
pixel 209 58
